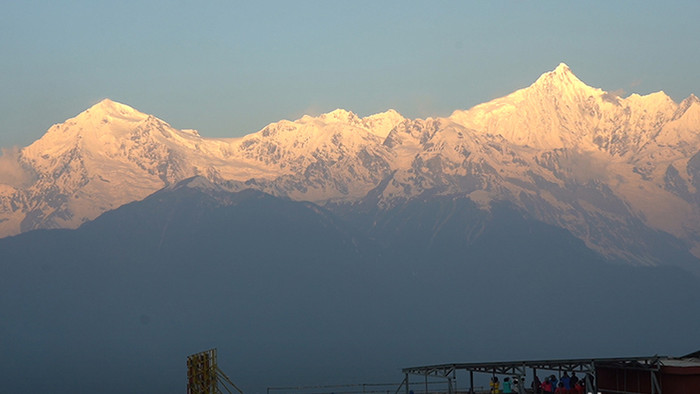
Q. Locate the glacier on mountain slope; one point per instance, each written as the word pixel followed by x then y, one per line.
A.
pixel 567 153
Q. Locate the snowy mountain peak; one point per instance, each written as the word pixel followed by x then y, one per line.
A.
pixel 339 115
pixel 560 111
pixel 690 100
pixel 560 78
pixel 652 102
pixel 562 68
pixel 382 123
pixel 391 114
pixel 378 124
pixel 105 123
pixel 113 109
pixel 685 105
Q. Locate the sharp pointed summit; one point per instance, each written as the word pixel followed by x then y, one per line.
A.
pixel 562 68
pixel 688 102
pixel 561 78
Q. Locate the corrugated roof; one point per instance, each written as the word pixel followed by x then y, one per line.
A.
pixel 680 362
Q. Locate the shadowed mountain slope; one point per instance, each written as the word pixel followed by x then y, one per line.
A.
pixel 293 294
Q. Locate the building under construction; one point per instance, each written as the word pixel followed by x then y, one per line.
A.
pixel 205 377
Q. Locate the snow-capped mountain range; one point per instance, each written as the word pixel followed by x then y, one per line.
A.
pixel 616 172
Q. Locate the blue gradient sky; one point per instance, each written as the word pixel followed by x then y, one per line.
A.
pixel 228 69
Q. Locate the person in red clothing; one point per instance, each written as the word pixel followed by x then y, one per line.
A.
pixel 561 389
pixel 546 386
pixel 578 388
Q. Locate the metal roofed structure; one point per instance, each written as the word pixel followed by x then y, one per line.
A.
pixel 519 369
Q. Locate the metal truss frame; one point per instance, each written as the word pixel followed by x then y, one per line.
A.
pixel 587 366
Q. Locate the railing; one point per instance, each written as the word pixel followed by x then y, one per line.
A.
pixel 356 388
pixel 374 388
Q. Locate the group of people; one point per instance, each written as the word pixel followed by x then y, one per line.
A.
pixel 564 385
pixel 508 386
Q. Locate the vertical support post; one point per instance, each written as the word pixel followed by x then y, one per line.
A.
pixel 589 384
pixel 655 387
pixel 471 382
pixel 449 385
pixel 536 388
pixel 406 380
pixel 595 378
pixel 522 373
pixel 426 383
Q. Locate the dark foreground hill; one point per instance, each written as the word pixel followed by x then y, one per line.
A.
pixel 293 294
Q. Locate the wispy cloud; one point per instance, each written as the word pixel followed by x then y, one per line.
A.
pixel 614 96
pixel 618 92
pixel 11 170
